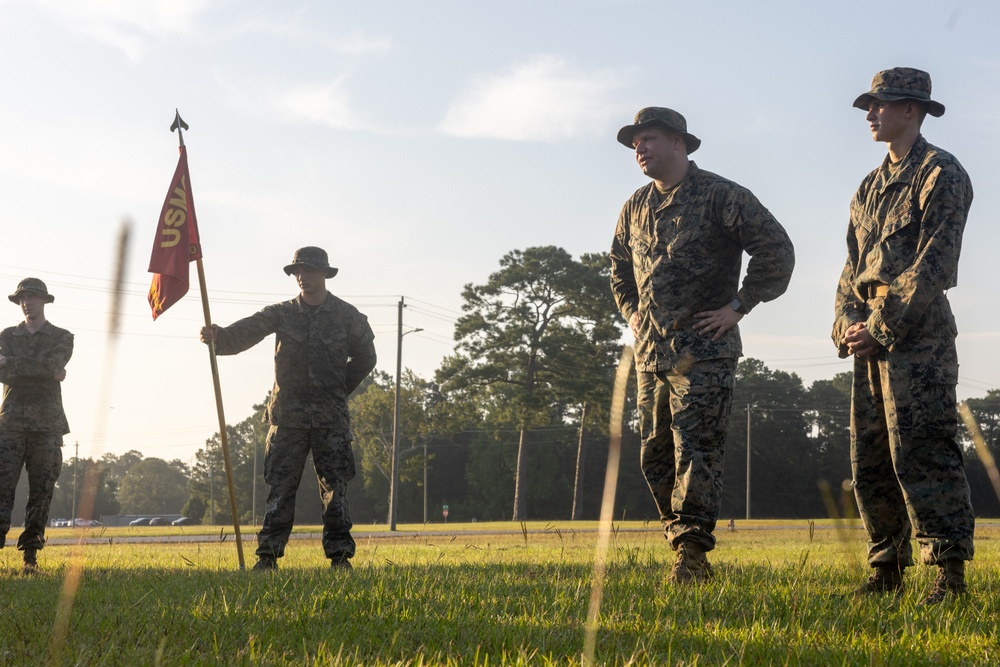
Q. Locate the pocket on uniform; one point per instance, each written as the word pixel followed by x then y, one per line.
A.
pixel 333 335
pixel 934 412
pixel 289 331
pixel 899 217
pixel 932 405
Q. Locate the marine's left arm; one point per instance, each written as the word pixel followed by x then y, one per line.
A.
pixel 772 256
pixel 362 358
pixel 944 201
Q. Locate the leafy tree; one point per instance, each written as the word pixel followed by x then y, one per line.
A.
pixel 208 487
pixel 521 341
pixel 153 486
pixel 74 474
pixel 427 420
pixel 979 468
pixel 828 404
pixel 781 453
pixel 987 413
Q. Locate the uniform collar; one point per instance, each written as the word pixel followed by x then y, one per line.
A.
pixel 680 193
pixel 305 307
pixel 908 165
pixel 22 329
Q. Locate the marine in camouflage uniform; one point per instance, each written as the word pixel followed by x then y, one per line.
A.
pixel 892 314
pixel 323 349
pixel 675 274
pixel 33 358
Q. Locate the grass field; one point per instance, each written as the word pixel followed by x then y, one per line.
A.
pixel 430 597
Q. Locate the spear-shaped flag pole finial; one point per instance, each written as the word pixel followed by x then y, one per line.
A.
pixel 179 125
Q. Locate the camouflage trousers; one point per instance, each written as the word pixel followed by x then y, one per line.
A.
pixel 683 420
pixel 284 461
pixel 41 455
pixel 906 460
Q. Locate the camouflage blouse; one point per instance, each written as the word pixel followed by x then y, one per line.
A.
pixel 32 397
pixel 321 355
pixel 905 232
pixel 680 253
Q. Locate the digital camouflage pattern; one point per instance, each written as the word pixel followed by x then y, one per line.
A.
pixel 901 83
pixel 680 253
pixel 685 414
pixel 674 255
pixel 905 232
pixel 32 422
pixel 319 359
pixel 32 397
pixel 287 449
pixel 321 355
pixel 31 285
pixel 668 119
pixel 41 455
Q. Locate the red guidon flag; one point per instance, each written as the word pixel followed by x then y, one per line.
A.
pixel 176 244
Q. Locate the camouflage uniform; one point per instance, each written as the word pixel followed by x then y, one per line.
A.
pixel 904 240
pixel 32 424
pixel 676 254
pixel 321 355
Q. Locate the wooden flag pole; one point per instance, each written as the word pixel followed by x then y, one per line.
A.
pixel 178 125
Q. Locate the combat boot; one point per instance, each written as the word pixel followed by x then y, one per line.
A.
pixel 950 581
pixel 691 565
pixel 885 579
pixel 342 564
pixel 265 564
pixel 30 562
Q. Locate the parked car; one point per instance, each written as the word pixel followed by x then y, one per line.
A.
pixel 184 521
pixel 139 522
pixel 61 523
pixel 157 521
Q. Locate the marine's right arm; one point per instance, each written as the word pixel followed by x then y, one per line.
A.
pixel 623 284
pixel 243 334
pixel 849 308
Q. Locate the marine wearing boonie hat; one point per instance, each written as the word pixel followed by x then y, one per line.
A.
pixel 658 117
pixel 314 258
pixel 34 286
pixel 901 83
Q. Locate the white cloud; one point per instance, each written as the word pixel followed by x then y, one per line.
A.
pixel 321 103
pixel 543 99
pixel 298 27
pixel 358 43
pixel 126 24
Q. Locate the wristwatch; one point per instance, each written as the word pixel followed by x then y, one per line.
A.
pixel 737 305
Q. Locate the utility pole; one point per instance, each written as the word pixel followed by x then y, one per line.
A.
pixel 211 491
pixel 253 486
pixel 578 478
pixel 394 464
pixel 748 461
pixel 425 481
pixel 76 469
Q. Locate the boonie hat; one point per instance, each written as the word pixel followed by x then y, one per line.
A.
pixel 658 117
pixel 314 258
pixel 33 285
pixel 901 83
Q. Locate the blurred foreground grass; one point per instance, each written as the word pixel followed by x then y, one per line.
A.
pixel 434 595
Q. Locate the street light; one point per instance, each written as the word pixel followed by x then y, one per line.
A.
pixel 394 472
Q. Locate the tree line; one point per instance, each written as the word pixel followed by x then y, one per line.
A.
pixel 514 425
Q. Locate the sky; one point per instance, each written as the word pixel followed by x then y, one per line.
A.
pixel 418 143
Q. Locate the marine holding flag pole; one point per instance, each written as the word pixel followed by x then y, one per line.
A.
pixel 177 245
